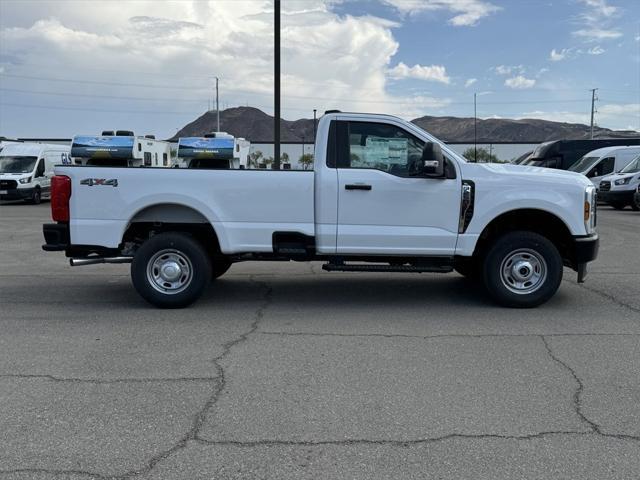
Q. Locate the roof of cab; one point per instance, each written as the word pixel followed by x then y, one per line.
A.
pixel 30 149
pixel 601 152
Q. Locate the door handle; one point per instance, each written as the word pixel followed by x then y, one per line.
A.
pixel 357 186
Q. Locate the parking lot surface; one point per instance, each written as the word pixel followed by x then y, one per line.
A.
pixel 285 371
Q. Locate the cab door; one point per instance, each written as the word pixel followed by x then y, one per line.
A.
pixel 382 209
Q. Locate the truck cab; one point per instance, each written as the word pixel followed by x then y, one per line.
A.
pixel 26 170
pixel 384 196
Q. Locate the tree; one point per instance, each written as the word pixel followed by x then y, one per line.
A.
pixel 483 156
pixel 306 160
pixel 254 158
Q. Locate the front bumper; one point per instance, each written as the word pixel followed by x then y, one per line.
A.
pixel 613 196
pixel 585 250
pixel 17 193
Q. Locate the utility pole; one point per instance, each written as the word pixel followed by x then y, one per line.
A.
pixel 217 105
pixel 314 132
pixel 276 85
pixel 475 127
pixel 593 109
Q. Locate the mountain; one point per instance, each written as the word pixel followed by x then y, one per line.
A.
pixel 256 126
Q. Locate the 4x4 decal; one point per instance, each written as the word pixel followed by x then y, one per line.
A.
pixel 112 182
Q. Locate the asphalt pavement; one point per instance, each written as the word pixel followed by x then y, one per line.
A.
pixel 283 371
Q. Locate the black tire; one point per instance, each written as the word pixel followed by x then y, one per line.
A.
pixel 220 266
pixel 36 197
pixel 618 205
pixel 469 268
pixel 635 202
pixel 522 270
pixel 185 272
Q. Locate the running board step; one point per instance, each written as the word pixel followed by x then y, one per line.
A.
pixel 374 267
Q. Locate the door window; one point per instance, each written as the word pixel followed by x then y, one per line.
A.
pixel 147 159
pixel 383 147
pixel 40 170
pixel 605 167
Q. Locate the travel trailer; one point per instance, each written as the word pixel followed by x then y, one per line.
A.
pixel 217 150
pixel 120 148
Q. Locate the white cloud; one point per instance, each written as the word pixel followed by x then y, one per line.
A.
pixel 466 12
pixel 470 82
pixel 558 55
pixel 597 21
pixel 608 114
pixel 596 50
pixel 509 69
pixel 436 73
pixel 519 82
pixel 328 60
pixel 596 33
pixel 637 38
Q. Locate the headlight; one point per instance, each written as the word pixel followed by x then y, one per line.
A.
pixel 590 210
pixel 623 181
pixel 25 180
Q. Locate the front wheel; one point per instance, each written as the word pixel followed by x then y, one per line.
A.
pixel 171 270
pixel 522 269
pixel 635 202
pixel 618 205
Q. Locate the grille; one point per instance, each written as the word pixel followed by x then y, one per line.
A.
pixel 8 184
pixel 605 186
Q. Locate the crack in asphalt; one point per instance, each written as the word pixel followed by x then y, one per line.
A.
pixel 403 443
pixel 108 381
pixel 577 397
pixel 608 296
pixel 443 335
pixel 200 416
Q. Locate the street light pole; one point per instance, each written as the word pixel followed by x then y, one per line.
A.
pixel 276 84
pixel 217 105
pixel 475 128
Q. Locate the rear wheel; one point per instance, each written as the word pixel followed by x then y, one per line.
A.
pixel 522 269
pixel 171 270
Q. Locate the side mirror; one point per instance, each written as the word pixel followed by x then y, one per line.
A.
pixel 432 160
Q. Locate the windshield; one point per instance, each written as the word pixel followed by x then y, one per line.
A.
pixel 633 167
pixel 584 164
pixel 17 164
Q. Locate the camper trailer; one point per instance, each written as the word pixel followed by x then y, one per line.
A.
pixel 217 150
pixel 120 148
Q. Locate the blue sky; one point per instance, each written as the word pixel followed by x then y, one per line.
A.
pixel 71 67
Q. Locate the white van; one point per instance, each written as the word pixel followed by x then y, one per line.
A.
pixel 618 190
pixel 26 170
pixel 604 161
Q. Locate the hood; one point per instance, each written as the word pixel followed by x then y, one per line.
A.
pixel 506 171
pixel 616 176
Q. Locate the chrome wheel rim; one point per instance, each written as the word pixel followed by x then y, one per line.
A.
pixel 169 272
pixel 523 271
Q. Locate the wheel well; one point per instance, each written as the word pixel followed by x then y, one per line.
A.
pixel 171 218
pixel 538 221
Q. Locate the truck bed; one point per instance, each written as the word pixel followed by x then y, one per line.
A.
pixel 245 207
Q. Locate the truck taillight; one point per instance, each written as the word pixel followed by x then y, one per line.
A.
pixel 60 195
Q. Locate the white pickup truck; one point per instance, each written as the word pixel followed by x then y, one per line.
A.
pixel 384 196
